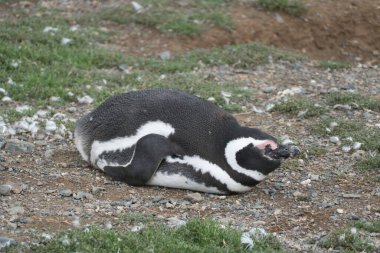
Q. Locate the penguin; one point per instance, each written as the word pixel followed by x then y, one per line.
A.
pixel 169 138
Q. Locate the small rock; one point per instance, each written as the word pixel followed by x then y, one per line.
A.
pixel 85 100
pixel 194 197
pixel 346 149
pixel 6 242
pixel 353 231
pixel 136 6
pixel 65 192
pixel 108 225
pixel 342 107
pixel 5 190
pixel 82 195
pixel 314 177
pixel 165 55
pixel 356 145
pixel 340 211
pixel 268 89
pixel 66 41
pixel 54 99
pixel 50 126
pixel 174 222
pixel 258 109
pixel 96 190
pixel 357 155
pixel 72 109
pixel 49 29
pixel 65 242
pixel 334 139
pixel 16 146
pixel 137 228
pixel 6 99
pixel 306 182
pixel 333 125
pixel 16 210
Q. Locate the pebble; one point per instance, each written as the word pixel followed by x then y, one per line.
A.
pixel 306 182
pixel 136 6
pixel 194 197
pixel 5 190
pixel 82 195
pixel 16 210
pixel 50 126
pixel 72 109
pixel 268 89
pixel 314 177
pixel 54 99
pixel 356 145
pixel 346 149
pixel 16 146
pixel 85 100
pixel 174 222
pixel 65 41
pixel 108 225
pixel 165 55
pixel 334 139
pixel 342 107
pixel 137 228
pixel 6 242
pixel 65 192
pixel 357 155
pixel 97 190
pixel 340 211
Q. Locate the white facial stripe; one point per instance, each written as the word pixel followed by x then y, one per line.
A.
pixel 79 143
pixel 238 144
pixel 179 181
pixel 214 170
pixel 101 163
pixel 120 143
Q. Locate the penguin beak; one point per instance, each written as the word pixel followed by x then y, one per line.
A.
pixel 282 151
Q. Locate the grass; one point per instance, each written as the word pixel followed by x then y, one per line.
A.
pixel 292 7
pixel 47 68
pixel 171 17
pixel 369 137
pixel 296 106
pixel 333 65
pixel 11 115
pixel 345 240
pixel 195 236
pixel 353 98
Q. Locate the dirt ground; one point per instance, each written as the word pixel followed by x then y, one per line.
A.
pixel 336 195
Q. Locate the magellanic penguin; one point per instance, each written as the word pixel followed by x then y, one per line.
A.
pixel 173 139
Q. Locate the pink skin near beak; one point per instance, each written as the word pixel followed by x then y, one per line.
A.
pixel 265 143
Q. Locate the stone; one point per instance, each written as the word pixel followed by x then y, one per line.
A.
pixel 306 182
pixel 85 100
pixel 194 197
pixel 6 242
pixel 5 190
pixel 65 192
pixel 50 126
pixel 165 55
pixel 346 149
pixel 356 145
pixel 14 146
pixel 339 210
pixel 334 139
pixel 83 195
pixel 174 222
pixel 16 210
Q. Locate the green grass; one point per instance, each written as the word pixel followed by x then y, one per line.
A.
pixel 11 115
pixel 169 16
pixel 333 65
pixel 370 137
pixel 369 163
pixel 195 236
pixel 292 7
pixel 346 241
pixel 353 98
pixel 296 106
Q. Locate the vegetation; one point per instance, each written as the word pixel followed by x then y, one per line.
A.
pixel 304 106
pixel 350 240
pixel 353 98
pixel 195 236
pixel 291 7
pixel 333 65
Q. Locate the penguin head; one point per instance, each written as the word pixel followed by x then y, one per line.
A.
pixel 257 156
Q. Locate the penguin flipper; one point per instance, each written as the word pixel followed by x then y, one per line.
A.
pixel 149 152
